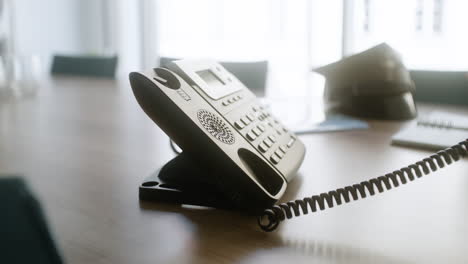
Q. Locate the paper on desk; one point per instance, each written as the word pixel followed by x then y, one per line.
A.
pixel 302 117
pixel 331 124
pixel 447 129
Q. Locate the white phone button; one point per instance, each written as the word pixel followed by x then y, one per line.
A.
pixel 279 154
pixel 225 103
pixel 159 79
pixel 251 136
pixel 239 125
pixel 283 148
pixel 275 159
pixel 272 138
pixel 263 148
pixel 268 142
pixel 261 127
pixel 291 142
pixel 245 121
pixel 256 131
pixel 250 117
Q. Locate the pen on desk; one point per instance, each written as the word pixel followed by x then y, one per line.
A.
pixel 441 124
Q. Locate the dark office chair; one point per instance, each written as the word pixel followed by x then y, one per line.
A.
pixel 446 87
pixel 251 74
pixel 24 235
pixel 94 66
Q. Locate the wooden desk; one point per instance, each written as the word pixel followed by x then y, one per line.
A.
pixel 85 145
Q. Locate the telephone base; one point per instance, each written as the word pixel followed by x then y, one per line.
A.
pixel 180 181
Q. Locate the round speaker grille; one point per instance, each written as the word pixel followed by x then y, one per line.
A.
pixel 216 126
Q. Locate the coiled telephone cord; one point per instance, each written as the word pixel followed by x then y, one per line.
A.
pixel 278 213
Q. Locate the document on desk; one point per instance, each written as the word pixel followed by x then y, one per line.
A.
pixel 303 118
pixel 435 131
pixel 332 123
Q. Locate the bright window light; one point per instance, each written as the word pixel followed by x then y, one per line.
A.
pixel 429 34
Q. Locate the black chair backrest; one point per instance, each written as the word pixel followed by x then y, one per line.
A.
pixel 24 235
pixel 446 87
pixel 95 66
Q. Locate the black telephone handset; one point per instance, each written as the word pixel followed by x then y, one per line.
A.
pixel 236 154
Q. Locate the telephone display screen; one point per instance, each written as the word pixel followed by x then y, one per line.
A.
pixel 210 78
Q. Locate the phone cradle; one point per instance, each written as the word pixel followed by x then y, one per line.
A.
pixel 182 181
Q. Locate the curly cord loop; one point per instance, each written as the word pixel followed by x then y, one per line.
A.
pixel 278 213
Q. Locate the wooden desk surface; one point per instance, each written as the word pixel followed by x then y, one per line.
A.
pixel 85 145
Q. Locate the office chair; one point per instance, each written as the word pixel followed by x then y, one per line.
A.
pixel 24 234
pixel 446 87
pixel 94 66
pixel 251 74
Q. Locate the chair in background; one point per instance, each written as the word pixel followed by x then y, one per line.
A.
pixel 24 233
pixel 446 87
pixel 95 66
pixel 251 74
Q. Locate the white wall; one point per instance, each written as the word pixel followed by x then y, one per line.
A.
pixel 49 27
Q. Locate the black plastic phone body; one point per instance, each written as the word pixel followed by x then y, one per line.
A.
pixel 248 155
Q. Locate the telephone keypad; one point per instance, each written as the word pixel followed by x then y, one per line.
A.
pixel 275 143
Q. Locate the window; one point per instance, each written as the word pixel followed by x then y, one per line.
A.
pixel 297 36
pixel 429 34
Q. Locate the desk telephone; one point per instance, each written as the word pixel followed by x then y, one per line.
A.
pixel 236 154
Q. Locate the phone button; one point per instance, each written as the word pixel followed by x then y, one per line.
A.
pixel 245 121
pixel 256 131
pixel 291 142
pixel 279 154
pixel 272 138
pixel 239 125
pixel 250 117
pixel 251 136
pixel 225 103
pixel 275 159
pixel 263 148
pixel 268 142
pixel 261 127
pixel 283 148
